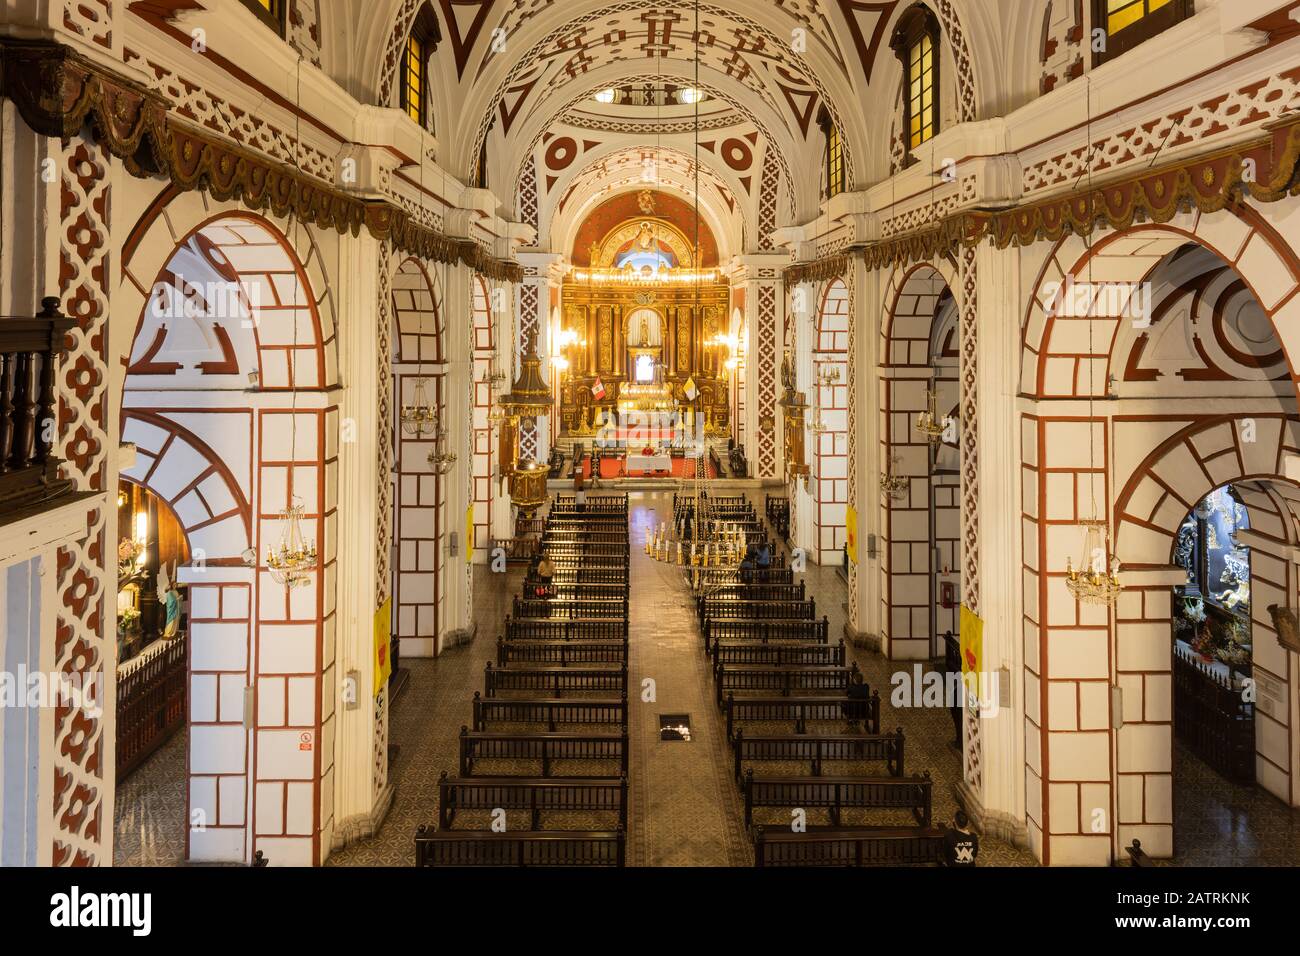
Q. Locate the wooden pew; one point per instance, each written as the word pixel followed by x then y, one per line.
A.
pixel 583 574
pixel 764 631
pixel 836 794
pixel 763 680
pixel 555 681
pixel 549 712
pixel 853 846
pixel 740 591
pixel 537 795
pixel 817 750
pixel 476 745
pixel 800 710
pixel 545 848
pixel 570 610
pixel 563 653
pixel 713 609
pixel 778 654
pixel 578 629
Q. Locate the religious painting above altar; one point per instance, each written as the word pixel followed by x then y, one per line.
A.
pixel 643 312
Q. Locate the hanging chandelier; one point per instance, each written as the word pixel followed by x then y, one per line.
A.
pixel 529 396
pixel 440 459
pixel 1096 580
pixel 928 422
pixel 419 418
pixel 892 486
pixel 293 562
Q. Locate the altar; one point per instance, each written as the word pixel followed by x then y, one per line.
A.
pixel 649 463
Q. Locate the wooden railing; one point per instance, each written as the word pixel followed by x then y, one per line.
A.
pixel 1212 718
pixel 30 350
pixel 150 702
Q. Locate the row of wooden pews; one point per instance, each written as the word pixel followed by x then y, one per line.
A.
pixel 542 774
pixel 822 784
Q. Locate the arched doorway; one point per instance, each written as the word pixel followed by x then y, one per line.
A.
pixel 227 400
pixel 1166 379
pixel 921 465
pixel 830 458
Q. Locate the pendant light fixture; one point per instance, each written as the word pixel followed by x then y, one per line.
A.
pixel 293 559
pixel 1096 578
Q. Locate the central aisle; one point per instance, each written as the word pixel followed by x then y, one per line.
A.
pixel 685 809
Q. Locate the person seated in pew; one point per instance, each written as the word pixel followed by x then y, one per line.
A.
pixel 961 844
pixel 855 712
pixel 763 560
pixel 545 575
pixel 747 566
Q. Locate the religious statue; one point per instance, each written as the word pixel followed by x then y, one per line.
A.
pixel 170 599
pixel 645 331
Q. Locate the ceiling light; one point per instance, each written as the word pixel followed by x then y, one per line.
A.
pixel 606 96
pixel 689 95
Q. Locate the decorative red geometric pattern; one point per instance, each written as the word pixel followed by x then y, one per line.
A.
pixel 80 645
pixel 767 379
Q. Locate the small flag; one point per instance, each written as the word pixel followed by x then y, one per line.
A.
pixel 598 389
pixel 689 389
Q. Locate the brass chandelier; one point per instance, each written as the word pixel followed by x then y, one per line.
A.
pixel 928 422
pixel 894 487
pixel 293 561
pixel 419 418
pixel 1097 580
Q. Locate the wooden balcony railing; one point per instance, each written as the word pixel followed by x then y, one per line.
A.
pixel 30 350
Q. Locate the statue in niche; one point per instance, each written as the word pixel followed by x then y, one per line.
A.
pixel 645 331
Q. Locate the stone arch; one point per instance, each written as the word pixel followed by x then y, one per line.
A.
pixel 419 519
pixel 1156 496
pixel 291 335
pixel 1051 362
pixel 829 387
pixel 194 481
pixel 927 513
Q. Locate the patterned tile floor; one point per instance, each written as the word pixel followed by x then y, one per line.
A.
pixel 685 810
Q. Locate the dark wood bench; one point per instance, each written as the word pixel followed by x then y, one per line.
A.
pixel 551 713
pixel 719 609
pixel 837 794
pixel 579 549
pixel 854 846
pixel 476 745
pixel 764 680
pixel 590 575
pixel 563 562
pixel 563 653
pixel 537 795
pixel 816 750
pixel 709 578
pixel 741 591
pixel 800 710
pixel 745 652
pixel 555 681
pixel 581 629
pixel 764 632
pixel 546 848
pixel 568 610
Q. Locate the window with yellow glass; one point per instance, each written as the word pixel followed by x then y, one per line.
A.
pixel 916 44
pixel 1120 25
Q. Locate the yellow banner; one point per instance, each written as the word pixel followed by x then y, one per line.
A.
pixel 851 524
pixel 972 642
pixel 469 534
pixel 383 639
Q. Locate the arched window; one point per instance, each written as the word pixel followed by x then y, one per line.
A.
pixel 916 44
pixel 420 45
pixel 834 156
pixel 1129 22
pixel 270 12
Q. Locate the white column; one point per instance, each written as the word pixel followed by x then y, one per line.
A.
pixel 868 310
pixel 361 792
pixel 457 605
pixel 998 804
